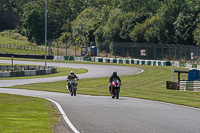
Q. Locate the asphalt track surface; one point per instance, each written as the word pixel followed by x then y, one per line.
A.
pixel 102 114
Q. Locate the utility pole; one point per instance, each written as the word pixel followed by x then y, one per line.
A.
pixel 45 34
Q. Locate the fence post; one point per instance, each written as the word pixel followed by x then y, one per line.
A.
pixel 180 53
pixel 12 63
pixel 123 51
pixel 197 55
pixel 185 55
pixel 57 47
pixel 162 52
pixel 131 51
pixel 175 53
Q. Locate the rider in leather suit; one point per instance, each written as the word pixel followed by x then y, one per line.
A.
pixel 70 77
pixel 112 77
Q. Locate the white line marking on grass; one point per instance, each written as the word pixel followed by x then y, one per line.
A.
pixel 64 116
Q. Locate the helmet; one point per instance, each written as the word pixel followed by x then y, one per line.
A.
pixel 72 72
pixel 114 73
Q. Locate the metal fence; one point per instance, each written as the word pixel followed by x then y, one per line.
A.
pixel 182 53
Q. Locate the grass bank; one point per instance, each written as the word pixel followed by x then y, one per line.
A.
pixel 26 114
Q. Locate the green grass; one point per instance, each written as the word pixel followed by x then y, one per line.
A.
pixel 26 114
pixel 151 84
pixel 11 50
pixel 16 39
pixel 8 40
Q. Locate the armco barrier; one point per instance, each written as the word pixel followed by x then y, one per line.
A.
pixel 148 62
pixel 26 56
pixel 115 60
pixel 111 60
pixel 6 74
pixel 98 59
pixel 50 70
pixel 87 58
pixel 13 74
pixel 127 61
pixel 27 73
pixel 78 58
pixel 131 61
pixel 119 60
pixel 70 58
pixel 1 75
pixel 21 73
pixel 47 71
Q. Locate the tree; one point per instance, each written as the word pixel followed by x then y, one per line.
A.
pixel 144 32
pixel 86 24
pixel 113 26
pixel 167 16
pixel 35 26
pixel 130 24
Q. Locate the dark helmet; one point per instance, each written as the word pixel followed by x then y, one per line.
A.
pixel 114 73
pixel 72 72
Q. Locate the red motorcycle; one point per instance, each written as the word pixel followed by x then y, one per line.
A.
pixel 115 89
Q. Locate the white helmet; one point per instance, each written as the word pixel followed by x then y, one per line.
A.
pixel 72 72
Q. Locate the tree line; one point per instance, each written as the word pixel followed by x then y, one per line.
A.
pixel 137 21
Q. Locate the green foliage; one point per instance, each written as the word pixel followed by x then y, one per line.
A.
pixel 196 34
pixel 112 28
pixel 168 15
pixel 130 24
pixel 104 20
pixel 145 32
pixel 86 24
pixel 184 25
pixel 33 24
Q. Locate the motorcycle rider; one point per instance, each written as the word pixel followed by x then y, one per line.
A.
pixel 70 77
pixel 112 78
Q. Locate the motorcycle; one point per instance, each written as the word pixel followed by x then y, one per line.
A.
pixel 115 89
pixel 72 88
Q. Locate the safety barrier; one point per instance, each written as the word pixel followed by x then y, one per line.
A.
pixel 21 71
pixel 189 85
pixel 128 61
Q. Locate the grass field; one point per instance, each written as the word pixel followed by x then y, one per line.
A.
pixel 20 114
pixel 11 41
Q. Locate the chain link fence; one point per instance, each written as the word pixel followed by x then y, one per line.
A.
pixel 182 53
pixel 175 52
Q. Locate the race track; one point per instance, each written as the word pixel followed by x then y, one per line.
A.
pixel 102 114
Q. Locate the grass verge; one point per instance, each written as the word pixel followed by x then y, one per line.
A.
pixel 26 114
pixel 151 84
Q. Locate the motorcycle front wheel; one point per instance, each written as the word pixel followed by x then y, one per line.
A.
pixel 74 91
pixel 117 93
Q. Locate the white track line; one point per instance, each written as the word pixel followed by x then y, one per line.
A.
pixel 64 115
